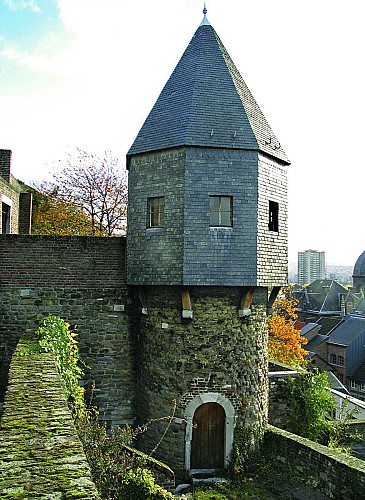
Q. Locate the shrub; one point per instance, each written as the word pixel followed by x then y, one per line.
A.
pixel 54 335
pixel 117 472
pixel 139 484
pixel 311 405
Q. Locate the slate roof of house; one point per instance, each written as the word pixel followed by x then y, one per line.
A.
pixel 206 103
pixel 323 296
pixel 327 324
pixel 359 373
pixel 347 330
pixel 308 328
pixel 315 342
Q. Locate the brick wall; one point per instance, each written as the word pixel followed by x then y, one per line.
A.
pixel 5 163
pixel 9 194
pixel 25 213
pixel 81 279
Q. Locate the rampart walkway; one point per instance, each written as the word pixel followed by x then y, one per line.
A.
pixel 40 453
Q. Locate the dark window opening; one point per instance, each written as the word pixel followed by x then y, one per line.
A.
pixel 221 211
pixel 5 218
pixel 273 216
pixel 155 212
pixel 333 359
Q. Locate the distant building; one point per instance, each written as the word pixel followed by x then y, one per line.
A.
pixel 358 277
pixel 311 266
pixel 15 199
pixel 342 352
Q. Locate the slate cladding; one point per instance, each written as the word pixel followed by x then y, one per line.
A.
pixel 206 102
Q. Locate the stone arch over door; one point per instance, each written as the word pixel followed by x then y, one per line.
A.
pixel 194 404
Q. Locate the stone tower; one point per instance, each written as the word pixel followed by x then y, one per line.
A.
pixel 206 256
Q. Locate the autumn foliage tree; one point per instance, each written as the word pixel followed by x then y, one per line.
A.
pixel 90 190
pixel 52 216
pixel 285 342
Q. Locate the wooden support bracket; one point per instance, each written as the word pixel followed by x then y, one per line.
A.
pixel 245 303
pixel 273 294
pixel 187 312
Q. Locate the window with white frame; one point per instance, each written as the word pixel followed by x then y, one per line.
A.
pixel 221 211
pixel 155 211
pixel 333 359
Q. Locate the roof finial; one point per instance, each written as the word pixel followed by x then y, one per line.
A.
pixel 205 20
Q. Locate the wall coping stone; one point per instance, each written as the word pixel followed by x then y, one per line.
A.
pixel 41 454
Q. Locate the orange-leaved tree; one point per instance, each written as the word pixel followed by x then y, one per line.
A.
pixel 285 342
pixel 53 216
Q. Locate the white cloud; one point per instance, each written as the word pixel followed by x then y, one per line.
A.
pixel 23 4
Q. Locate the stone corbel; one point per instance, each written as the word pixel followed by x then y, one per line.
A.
pixel 187 311
pixel 245 303
pixel 273 294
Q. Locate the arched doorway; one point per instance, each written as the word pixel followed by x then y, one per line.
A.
pixel 190 414
pixel 207 449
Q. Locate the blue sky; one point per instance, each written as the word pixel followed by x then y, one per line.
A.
pixel 86 73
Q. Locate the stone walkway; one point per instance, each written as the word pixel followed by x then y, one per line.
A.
pixel 40 453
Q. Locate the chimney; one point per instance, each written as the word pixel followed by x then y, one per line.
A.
pixel 5 162
pixel 25 213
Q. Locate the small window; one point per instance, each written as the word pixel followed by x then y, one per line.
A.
pixel 273 216
pixel 353 384
pixel 333 359
pixel 5 220
pixel 155 207
pixel 362 386
pixel 340 360
pixel 220 211
pixel 340 377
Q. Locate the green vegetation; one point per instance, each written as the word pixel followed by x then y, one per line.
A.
pixel 117 471
pixel 310 398
pixel 54 335
pixel 247 488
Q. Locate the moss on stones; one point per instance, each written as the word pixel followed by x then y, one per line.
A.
pixel 41 455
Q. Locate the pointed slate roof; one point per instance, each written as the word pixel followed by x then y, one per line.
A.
pixel 206 103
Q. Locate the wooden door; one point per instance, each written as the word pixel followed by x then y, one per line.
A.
pixel 207 450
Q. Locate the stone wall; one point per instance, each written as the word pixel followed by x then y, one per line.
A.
pixel 41 455
pixel 335 474
pixel 215 352
pixel 278 397
pixel 82 280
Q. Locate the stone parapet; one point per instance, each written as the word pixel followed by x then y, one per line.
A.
pixel 41 454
